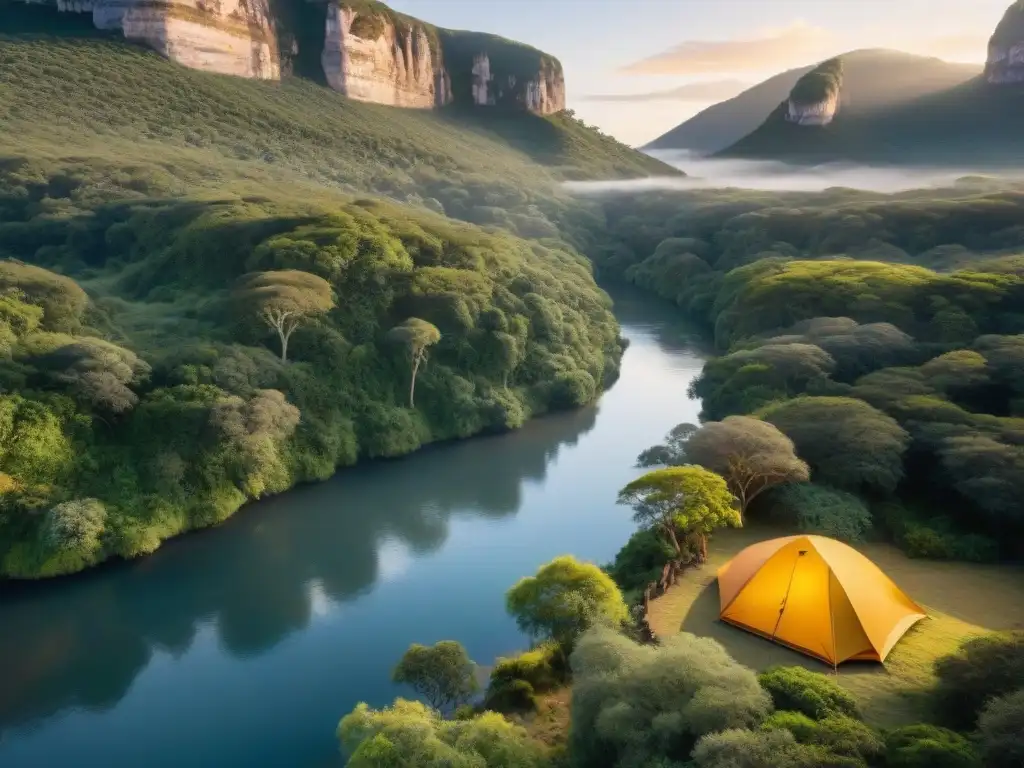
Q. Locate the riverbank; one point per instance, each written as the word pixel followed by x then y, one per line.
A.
pixel 318 591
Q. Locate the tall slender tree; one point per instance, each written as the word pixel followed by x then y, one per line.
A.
pixel 416 335
pixel 285 299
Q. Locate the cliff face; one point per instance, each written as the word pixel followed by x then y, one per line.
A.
pixel 1005 63
pixel 818 113
pixel 815 98
pixel 370 58
pixel 543 93
pixel 367 51
pixel 229 37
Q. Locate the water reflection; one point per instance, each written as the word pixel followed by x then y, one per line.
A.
pixel 80 643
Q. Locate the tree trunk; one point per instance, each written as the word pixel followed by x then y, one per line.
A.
pixel 284 345
pixel 412 385
pixel 671 531
pixel 703 548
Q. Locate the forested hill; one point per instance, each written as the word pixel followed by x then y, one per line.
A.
pixel 206 296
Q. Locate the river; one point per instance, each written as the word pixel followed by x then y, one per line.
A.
pixel 244 645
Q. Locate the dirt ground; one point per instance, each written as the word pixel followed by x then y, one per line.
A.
pixel 961 599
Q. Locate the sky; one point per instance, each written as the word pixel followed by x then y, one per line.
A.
pixel 637 68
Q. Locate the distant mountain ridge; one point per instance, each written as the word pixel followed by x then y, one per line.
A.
pixel 976 122
pixel 904 76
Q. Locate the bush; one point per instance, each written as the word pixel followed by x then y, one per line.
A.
pixel 737 748
pixel 800 690
pixel 983 667
pixel 511 696
pixel 634 704
pixel 1001 731
pixel 926 746
pixel 543 668
pixel 825 511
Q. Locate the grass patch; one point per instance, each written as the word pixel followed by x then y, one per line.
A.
pixel 549 725
pixel 961 599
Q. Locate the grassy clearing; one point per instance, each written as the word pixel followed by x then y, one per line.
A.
pixel 961 600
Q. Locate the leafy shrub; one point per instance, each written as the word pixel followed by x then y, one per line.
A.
pixel 635 703
pixel 826 511
pixel 800 690
pixel 409 733
pixel 511 696
pixel 838 734
pixel 543 668
pixel 736 748
pixel 1001 731
pixel 982 668
pixel 927 746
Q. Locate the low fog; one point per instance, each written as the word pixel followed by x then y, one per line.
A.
pixel 705 173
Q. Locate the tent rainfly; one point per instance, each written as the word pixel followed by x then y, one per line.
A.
pixel 817 596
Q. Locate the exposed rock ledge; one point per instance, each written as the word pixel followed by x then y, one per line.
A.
pixel 1005 63
pixel 229 37
pixel 815 98
pixel 819 113
pixel 374 61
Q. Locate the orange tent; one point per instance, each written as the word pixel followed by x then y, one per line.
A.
pixel 818 596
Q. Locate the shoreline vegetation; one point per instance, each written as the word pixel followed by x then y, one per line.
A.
pixel 208 288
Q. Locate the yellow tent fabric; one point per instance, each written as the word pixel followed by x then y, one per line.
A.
pixel 817 596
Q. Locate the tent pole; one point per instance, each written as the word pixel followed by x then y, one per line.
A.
pixel 789 586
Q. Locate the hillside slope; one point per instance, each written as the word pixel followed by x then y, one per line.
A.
pixel 874 79
pixel 974 123
pixel 143 388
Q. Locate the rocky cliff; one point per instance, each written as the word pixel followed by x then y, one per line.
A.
pixel 371 56
pixel 229 37
pixel 366 50
pixel 814 100
pixel 1005 63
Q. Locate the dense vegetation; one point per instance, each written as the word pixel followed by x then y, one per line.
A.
pixel 197 309
pixel 679 702
pixel 882 334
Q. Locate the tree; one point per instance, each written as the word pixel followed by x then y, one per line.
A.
pixel 691 500
pixel 411 735
pixel 416 335
pixel 98 373
pixel 636 704
pixel 75 525
pixel 443 674
pixel 848 443
pixel 285 299
pixel 563 599
pixel 1001 730
pixel 752 455
pixel 825 511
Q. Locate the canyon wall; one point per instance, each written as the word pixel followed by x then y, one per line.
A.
pixel 367 51
pixel 1005 63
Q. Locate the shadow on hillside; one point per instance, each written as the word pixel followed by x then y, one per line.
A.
pixel 33 19
pixel 531 134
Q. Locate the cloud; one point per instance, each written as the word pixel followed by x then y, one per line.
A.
pixel 703 91
pixel 796 44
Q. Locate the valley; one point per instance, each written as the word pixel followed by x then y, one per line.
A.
pixel 358 400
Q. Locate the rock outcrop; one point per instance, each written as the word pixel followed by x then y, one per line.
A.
pixel 815 99
pixel 370 58
pixel 229 37
pixel 367 51
pixel 543 94
pixel 1005 63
